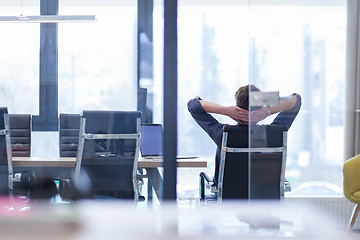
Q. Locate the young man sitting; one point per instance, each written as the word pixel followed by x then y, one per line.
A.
pixel 200 110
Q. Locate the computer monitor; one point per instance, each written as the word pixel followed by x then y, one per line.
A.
pixel 151 140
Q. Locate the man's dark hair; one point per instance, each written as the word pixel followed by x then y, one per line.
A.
pixel 242 96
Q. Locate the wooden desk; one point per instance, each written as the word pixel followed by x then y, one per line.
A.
pixel 151 166
pixel 44 162
pixel 70 162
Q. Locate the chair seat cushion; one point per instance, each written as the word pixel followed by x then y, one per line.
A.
pixel 356 195
pixel 351 179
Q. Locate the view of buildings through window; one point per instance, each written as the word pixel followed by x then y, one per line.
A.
pixel 305 54
pixel 277 48
pixel 221 46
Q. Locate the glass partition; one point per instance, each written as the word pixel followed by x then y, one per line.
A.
pixel 19 47
pixel 97 61
pixel 299 47
pixel 280 46
pixel 284 47
pixel 213 62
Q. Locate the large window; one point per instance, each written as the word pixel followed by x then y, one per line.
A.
pixel 97 61
pixel 19 60
pixel 289 46
pixel 281 46
pixel 293 49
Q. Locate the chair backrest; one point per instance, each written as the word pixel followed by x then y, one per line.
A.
pixel 20 131
pixel 108 150
pixel 69 127
pixel 3 153
pixel 351 179
pixel 266 154
pixel 6 173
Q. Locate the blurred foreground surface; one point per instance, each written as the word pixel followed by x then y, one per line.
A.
pixel 107 219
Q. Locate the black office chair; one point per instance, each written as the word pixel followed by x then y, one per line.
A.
pixel 69 128
pixel 267 155
pixel 22 183
pixel 20 131
pixel 7 173
pixel 108 152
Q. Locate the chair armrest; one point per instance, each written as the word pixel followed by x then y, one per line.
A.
pixel 287 186
pixel 206 177
pixel 213 188
pixel 17 177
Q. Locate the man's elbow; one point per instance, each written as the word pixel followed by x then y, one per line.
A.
pixel 298 102
pixel 190 104
pixel 298 99
pixel 193 104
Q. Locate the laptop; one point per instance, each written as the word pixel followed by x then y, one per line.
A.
pixel 152 142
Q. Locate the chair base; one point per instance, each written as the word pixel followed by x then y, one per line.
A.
pixel 353 218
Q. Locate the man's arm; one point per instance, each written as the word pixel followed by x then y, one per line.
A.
pixel 238 114
pixel 284 105
pixel 205 120
pixel 291 103
pixel 289 106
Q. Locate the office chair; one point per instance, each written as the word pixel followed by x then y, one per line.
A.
pixel 69 127
pixel 351 185
pixel 264 178
pixel 22 183
pixel 7 173
pixel 20 131
pixel 108 152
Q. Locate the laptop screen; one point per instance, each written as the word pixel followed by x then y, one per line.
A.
pixel 151 140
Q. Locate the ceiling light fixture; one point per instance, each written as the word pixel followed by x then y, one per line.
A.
pixel 48 18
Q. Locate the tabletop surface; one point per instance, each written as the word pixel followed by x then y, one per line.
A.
pixel 70 162
pixel 124 220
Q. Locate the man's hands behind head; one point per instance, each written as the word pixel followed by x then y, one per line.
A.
pixel 238 114
pixel 258 115
pixel 242 115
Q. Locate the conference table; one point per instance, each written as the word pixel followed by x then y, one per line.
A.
pixel 150 165
pixel 70 162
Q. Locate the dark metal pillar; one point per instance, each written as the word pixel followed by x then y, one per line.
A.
pixel 170 99
pixel 144 57
pixel 48 99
